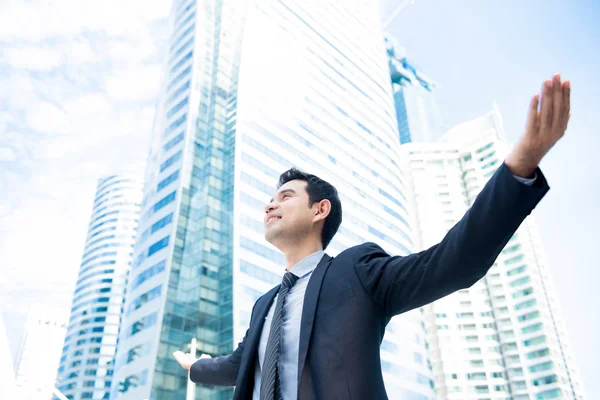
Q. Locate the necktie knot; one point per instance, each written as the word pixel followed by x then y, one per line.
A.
pixel 289 280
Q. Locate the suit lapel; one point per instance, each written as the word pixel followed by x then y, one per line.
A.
pixel 308 310
pixel 246 374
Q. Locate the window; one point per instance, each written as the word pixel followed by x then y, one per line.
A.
pixel 514 260
pixel 164 201
pixel 262 250
pixel 171 160
pixel 181 62
pixel 532 328
pixel 550 394
pixel 526 304
pixel 521 293
pixel 541 367
pixel 136 352
pixel 545 380
pixel 520 281
pixel 141 324
pixel 477 376
pixel 175 124
pixel 259 273
pixel 173 142
pixel 389 346
pixel 164 221
pixel 535 341
pixel 538 354
pixel 516 271
pixel 144 298
pixel 161 244
pixel 529 316
pixel 132 381
pixel 484 148
pixel 178 107
pixel 148 273
pixel 167 181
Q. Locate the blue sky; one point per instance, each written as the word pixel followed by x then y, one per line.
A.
pixel 78 82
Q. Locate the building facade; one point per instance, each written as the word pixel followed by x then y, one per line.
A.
pixel 87 362
pixel 250 90
pixel 418 114
pixel 504 337
pixel 39 352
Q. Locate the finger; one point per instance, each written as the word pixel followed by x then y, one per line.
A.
pixel 557 102
pixel 566 108
pixel 205 356
pixel 533 116
pixel 546 107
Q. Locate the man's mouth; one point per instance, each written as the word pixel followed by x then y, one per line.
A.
pixel 272 217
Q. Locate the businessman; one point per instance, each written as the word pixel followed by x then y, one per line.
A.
pixel 317 334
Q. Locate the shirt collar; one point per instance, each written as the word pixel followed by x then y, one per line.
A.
pixel 307 264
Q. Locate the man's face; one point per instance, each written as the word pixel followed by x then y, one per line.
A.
pixel 288 217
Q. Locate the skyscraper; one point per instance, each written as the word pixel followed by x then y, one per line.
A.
pixel 39 353
pixel 419 117
pixel 504 337
pixel 87 362
pixel 251 89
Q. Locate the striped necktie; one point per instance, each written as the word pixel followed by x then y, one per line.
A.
pixel 269 381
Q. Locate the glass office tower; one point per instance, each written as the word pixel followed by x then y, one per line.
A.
pixel 87 361
pixel 251 89
pixel 419 117
pixel 504 337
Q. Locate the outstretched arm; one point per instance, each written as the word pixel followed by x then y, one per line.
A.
pixel 469 249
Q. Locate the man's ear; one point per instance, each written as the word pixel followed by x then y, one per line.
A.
pixel 321 210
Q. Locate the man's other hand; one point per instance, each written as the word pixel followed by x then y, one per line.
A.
pixel 186 359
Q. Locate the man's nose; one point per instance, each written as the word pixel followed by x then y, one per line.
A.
pixel 270 207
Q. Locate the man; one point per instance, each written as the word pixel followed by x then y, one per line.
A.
pixel 317 335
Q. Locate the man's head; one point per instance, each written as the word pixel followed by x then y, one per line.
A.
pixel 303 206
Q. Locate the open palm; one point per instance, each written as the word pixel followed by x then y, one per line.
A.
pixel 186 360
pixel 547 121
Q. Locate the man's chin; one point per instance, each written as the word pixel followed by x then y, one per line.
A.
pixel 271 237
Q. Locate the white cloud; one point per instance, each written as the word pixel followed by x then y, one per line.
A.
pixel 78 96
pixel 7 154
pixel 39 20
pixel 134 83
pixel 33 58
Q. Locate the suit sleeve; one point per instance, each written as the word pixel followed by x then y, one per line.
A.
pixel 398 284
pixel 219 371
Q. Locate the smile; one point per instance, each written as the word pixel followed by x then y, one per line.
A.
pixel 272 217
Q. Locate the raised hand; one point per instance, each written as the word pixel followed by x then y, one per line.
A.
pixel 546 124
pixel 186 359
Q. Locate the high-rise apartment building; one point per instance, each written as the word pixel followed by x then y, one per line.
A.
pixel 418 114
pixel 87 362
pixel 504 337
pixel 251 89
pixel 39 352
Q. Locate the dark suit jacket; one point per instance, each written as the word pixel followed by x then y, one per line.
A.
pixel 351 298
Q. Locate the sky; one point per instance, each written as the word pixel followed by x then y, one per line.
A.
pixel 78 85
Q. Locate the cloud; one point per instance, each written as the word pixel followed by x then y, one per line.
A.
pixel 33 58
pixel 41 20
pixel 78 84
pixel 7 154
pixel 134 84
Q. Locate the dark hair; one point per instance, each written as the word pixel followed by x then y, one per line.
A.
pixel 318 190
